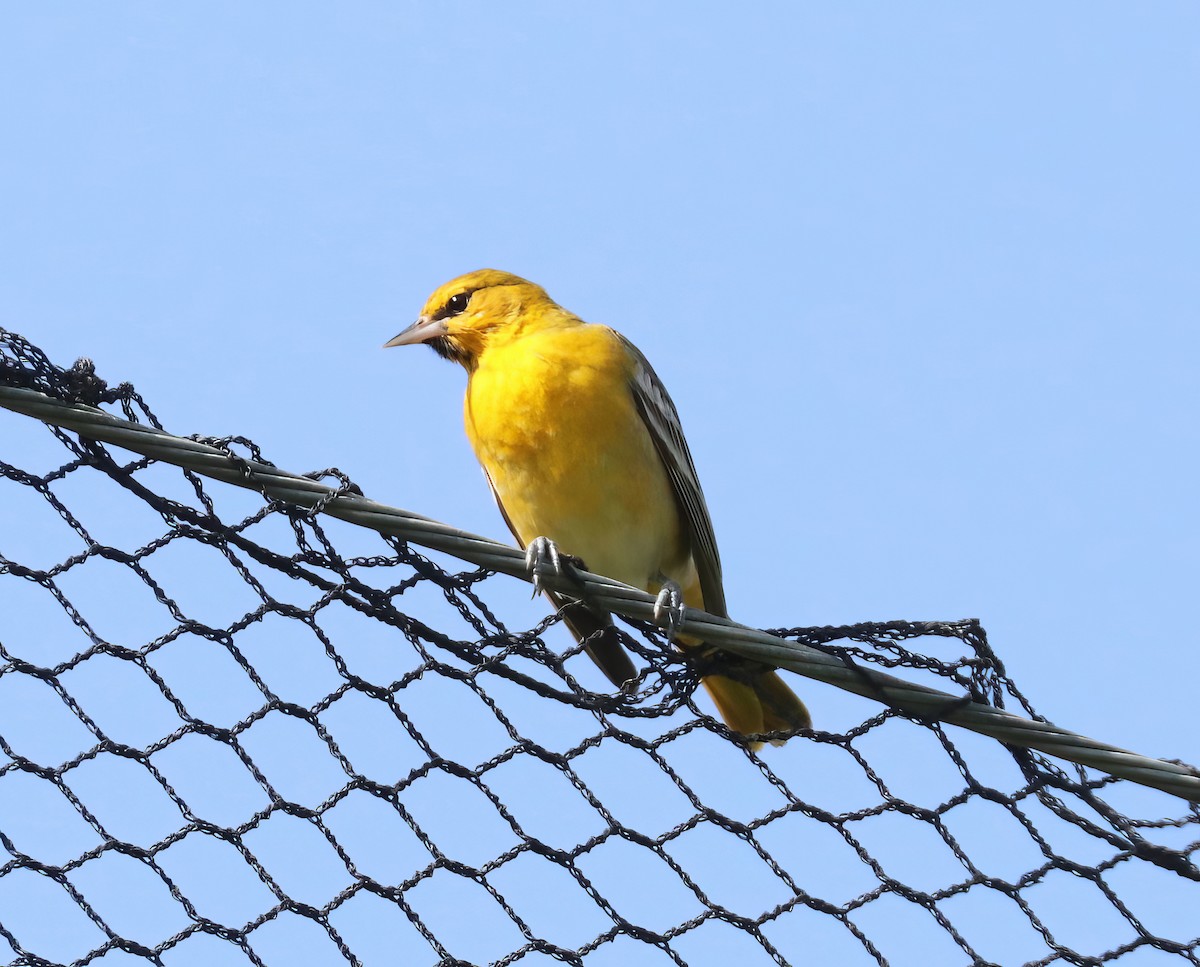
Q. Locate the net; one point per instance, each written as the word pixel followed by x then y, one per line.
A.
pixel 233 730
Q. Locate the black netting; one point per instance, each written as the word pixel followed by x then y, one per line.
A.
pixel 235 732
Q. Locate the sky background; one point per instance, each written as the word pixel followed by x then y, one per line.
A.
pixel 921 279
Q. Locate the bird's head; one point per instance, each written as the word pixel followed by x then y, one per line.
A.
pixel 462 316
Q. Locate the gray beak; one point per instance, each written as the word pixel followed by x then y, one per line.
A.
pixel 422 330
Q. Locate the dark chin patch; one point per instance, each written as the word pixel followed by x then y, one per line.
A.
pixel 444 347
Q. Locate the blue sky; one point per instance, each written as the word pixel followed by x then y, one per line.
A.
pixel 921 279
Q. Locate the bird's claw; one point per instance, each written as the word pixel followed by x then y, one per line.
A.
pixel 669 608
pixel 542 552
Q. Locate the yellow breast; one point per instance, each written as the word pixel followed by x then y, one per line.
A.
pixel 552 419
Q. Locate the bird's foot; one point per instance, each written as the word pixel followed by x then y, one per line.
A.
pixel 669 607
pixel 543 552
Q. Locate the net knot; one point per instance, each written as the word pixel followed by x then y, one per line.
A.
pixel 82 385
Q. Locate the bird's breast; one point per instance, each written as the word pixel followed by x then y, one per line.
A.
pixel 553 422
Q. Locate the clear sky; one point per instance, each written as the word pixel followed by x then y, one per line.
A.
pixel 922 278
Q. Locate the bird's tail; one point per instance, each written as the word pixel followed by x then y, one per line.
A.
pixel 757 700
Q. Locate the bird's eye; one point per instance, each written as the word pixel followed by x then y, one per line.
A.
pixel 457 303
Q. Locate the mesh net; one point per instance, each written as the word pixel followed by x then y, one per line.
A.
pixel 232 731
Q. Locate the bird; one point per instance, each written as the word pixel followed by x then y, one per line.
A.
pixel 586 458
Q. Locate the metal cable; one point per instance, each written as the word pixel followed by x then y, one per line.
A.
pixel 913 699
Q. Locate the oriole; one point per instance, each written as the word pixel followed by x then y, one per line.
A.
pixel 584 451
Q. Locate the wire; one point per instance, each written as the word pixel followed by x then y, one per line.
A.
pixel 911 698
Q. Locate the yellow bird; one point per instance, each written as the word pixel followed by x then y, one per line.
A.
pixel 584 452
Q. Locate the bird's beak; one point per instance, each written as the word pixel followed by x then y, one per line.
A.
pixel 422 330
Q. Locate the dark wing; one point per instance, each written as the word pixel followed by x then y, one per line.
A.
pixel 662 420
pixel 591 628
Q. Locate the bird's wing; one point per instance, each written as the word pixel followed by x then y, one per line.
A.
pixel 662 420
pixel 591 628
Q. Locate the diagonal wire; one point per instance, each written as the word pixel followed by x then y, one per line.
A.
pixel 913 699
